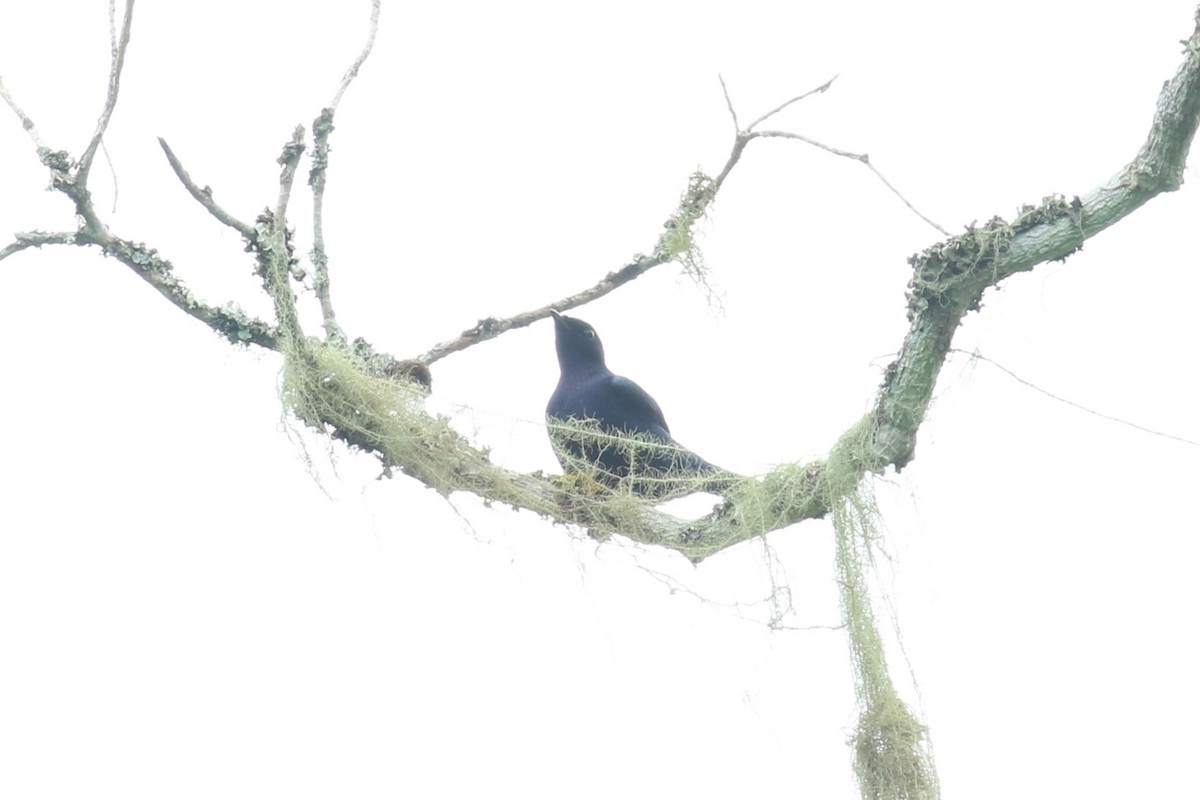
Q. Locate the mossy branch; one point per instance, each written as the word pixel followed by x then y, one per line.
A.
pixel 372 400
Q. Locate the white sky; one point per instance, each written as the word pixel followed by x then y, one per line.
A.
pixel 185 613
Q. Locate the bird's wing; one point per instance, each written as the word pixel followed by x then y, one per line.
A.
pixel 638 402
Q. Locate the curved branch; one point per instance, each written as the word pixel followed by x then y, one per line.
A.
pixel 204 196
pixel 949 281
pixel 950 278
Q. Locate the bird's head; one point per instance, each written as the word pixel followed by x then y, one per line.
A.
pixel 578 346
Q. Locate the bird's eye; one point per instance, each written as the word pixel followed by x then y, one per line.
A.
pixel 591 334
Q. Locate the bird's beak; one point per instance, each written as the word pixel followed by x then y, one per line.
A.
pixel 558 318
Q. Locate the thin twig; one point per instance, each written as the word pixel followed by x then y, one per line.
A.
pixel 26 122
pixel 113 171
pixel 37 239
pixel 737 128
pixel 491 327
pixel 977 356
pixel 862 158
pixel 114 86
pixel 204 196
pixel 787 103
pixel 352 73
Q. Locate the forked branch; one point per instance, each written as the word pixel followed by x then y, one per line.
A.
pixel 338 384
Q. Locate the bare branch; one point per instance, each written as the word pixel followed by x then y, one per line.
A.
pixel 322 128
pixel 26 122
pixel 36 239
pixel 787 103
pixel 204 196
pixel 114 85
pixel 692 207
pixel 737 128
pixel 492 327
pixel 352 73
pixel 862 158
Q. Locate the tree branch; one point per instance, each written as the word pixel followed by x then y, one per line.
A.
pixel 36 239
pixel 322 128
pixel 822 88
pixel 114 86
pixel 228 320
pixel 205 196
pixel 861 158
pixel 491 327
pixel 676 241
pixel 949 281
pixel 950 278
pixel 26 122
pixel 288 159
pixel 737 128
pixel 362 405
pixel 352 72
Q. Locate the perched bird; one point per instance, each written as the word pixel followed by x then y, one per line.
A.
pixel 616 427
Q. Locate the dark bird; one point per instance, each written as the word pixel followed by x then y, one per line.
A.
pixel 616 428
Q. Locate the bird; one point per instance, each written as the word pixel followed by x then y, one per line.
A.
pixel 614 428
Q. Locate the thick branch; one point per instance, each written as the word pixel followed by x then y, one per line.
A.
pixel 949 280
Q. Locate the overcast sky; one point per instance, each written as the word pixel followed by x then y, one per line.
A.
pixel 197 599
